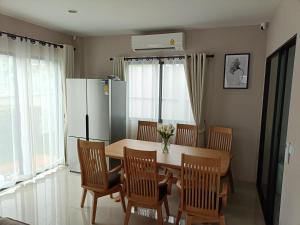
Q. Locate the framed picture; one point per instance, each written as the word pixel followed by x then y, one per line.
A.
pixel 236 71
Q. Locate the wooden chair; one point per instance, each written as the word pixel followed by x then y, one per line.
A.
pixel 200 196
pixel 94 175
pixel 142 183
pixel 147 131
pixel 186 135
pixel 220 138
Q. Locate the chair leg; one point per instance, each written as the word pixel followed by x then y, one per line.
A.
pixel 123 201
pixel 170 184
pixel 230 177
pixel 222 220
pixel 84 191
pixel 178 217
pixel 189 220
pixel 128 213
pixel 94 208
pixel 167 207
pixel 160 220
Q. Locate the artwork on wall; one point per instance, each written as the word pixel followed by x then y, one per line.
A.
pixel 236 71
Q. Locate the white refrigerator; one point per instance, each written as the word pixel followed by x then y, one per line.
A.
pixel 96 111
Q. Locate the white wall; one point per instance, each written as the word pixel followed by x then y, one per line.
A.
pixel 15 26
pixel 284 25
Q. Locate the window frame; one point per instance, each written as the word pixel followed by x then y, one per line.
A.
pixel 160 90
pixel 161 63
pixel 160 94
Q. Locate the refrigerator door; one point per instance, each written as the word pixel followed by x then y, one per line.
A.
pixel 117 110
pixel 97 110
pixel 76 107
pixel 117 115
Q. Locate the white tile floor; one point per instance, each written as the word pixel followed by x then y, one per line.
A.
pixel 54 199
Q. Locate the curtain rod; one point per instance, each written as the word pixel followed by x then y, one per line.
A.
pixel 159 57
pixel 32 40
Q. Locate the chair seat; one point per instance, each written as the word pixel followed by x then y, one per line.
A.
pixel 163 191
pixel 114 179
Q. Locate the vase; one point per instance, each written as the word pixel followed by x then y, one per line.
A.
pixel 165 145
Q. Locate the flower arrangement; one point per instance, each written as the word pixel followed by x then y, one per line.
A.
pixel 166 132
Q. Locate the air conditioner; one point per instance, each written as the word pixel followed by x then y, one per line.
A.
pixel 171 41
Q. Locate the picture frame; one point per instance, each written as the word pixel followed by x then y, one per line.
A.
pixel 236 71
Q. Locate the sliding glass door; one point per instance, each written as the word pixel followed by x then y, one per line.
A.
pixel 279 73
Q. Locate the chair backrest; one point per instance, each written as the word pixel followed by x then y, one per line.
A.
pixel 220 138
pixel 200 185
pixel 147 131
pixel 186 135
pixel 92 164
pixel 141 175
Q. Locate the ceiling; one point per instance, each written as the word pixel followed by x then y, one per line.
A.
pixel 110 17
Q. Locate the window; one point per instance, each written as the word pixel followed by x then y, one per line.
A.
pixel 176 105
pixel 46 112
pixel 9 160
pixel 31 110
pixel 143 77
pixel 146 101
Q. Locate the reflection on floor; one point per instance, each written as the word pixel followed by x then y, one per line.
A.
pixel 54 199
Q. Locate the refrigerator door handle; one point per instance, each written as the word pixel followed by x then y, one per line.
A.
pixel 87 127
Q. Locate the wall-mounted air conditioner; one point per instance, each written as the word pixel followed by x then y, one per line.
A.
pixel 170 41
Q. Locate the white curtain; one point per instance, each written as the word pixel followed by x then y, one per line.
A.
pixel 118 67
pixel 68 71
pixel 176 106
pixel 31 109
pixel 49 196
pixel 143 79
pixel 143 93
pixel 195 69
pixel 68 61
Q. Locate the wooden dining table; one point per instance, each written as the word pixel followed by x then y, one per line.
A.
pixel 170 160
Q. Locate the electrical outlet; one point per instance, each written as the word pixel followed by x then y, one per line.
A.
pixel 289 152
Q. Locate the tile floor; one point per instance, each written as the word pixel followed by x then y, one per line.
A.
pixel 54 198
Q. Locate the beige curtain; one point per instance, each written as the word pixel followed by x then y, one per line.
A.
pixel 195 70
pixel 118 67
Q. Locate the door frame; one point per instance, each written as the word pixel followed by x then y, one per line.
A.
pixel 268 205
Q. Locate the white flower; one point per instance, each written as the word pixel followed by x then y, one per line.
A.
pixel 166 131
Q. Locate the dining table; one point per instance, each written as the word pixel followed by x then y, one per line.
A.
pixel 172 159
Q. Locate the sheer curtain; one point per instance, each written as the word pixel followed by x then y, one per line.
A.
pixel 31 109
pixel 176 106
pixel 143 85
pixel 49 196
pixel 143 93
pixel 68 66
pixel 118 67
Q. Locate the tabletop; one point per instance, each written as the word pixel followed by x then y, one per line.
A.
pixel 173 158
